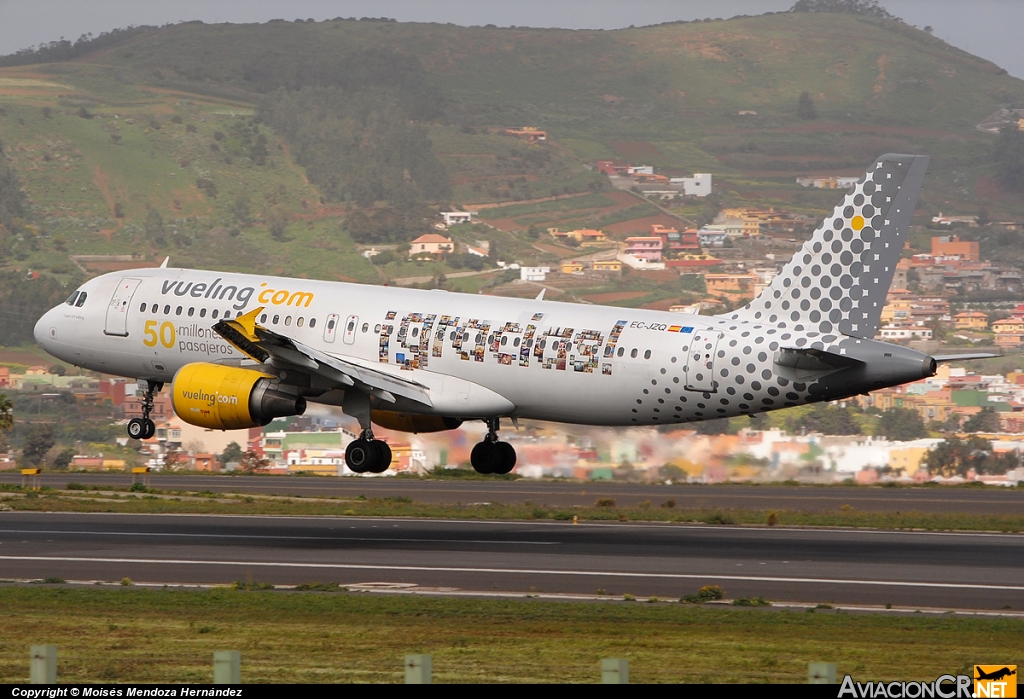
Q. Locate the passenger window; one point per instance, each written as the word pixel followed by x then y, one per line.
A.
pixel 263 318
pixel 504 340
pixel 142 308
pixel 202 312
pixel 167 310
pixel 622 351
pixel 312 322
pixel 177 311
pixel 288 320
pixel 155 308
pixel 479 336
pixel 227 314
pixel 81 300
pixel 542 344
pixel 300 322
pixel 376 328
pixel 451 336
pixel 516 343
pixel 415 331
pixel 366 326
pixel 276 320
pixel 647 354
pixel 330 323
pixel 215 313
pixel 191 311
pixel 633 353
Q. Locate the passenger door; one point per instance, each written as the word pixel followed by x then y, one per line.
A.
pixel 700 361
pixel 120 302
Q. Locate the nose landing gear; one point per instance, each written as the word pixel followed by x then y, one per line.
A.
pixel 492 456
pixel 144 428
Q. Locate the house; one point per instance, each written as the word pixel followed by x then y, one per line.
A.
pixel 971 320
pixel 584 236
pixel 952 246
pixel 733 287
pixel 905 331
pixel 647 248
pixel 607 266
pixel 529 133
pixel 1009 332
pixel 572 267
pixel 613 168
pixel 534 274
pixel 452 218
pixel 941 220
pixel 431 244
pixel 711 239
pixel 5 377
pixel 205 462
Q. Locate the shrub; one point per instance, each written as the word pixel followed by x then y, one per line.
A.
pixel 773 518
pixel 605 502
pixel 707 593
pixel 753 602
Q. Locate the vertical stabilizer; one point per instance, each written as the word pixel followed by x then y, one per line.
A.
pixel 839 279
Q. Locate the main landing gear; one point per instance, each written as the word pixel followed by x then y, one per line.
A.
pixel 144 428
pixel 368 455
pixel 492 456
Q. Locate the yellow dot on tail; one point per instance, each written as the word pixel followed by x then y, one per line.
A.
pixel 857 223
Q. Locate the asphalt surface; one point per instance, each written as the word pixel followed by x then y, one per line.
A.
pixel 914 569
pixel 552 493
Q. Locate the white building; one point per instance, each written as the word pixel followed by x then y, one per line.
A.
pixel 534 274
pixel 697 186
pixel 452 218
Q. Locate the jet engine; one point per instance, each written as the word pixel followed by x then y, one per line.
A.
pixel 409 422
pixel 228 398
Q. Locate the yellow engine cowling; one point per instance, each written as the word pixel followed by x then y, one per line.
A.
pixel 409 422
pixel 228 398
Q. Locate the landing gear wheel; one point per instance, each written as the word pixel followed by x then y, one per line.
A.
pixel 137 428
pixel 150 429
pixel 361 456
pixel 508 458
pixel 383 456
pixel 486 457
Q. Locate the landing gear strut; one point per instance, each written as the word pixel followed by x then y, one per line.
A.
pixel 492 456
pixel 144 428
pixel 366 454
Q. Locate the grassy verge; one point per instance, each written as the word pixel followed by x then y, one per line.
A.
pixel 603 509
pixel 169 636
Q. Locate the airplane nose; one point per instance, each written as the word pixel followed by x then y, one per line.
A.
pixel 45 330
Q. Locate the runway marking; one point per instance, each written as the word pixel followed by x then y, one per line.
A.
pixel 677 526
pixel 521 571
pixel 276 536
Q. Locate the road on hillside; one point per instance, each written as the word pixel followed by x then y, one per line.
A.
pixel 910 569
pixel 977 500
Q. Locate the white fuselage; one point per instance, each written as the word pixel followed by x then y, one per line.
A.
pixel 532 359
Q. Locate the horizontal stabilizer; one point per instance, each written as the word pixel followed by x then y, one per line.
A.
pixel 965 355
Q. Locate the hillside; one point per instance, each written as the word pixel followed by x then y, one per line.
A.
pixel 155 142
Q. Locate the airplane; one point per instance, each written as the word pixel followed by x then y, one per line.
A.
pixel 995 674
pixel 239 350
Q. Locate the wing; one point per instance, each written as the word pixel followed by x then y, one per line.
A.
pixel 267 346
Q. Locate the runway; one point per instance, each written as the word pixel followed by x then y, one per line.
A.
pixel 916 569
pixel 556 493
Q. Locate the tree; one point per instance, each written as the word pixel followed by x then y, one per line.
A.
pixel 64 458
pixel 155 226
pixel 985 421
pixel 173 459
pixel 901 424
pixel 864 8
pixel 955 457
pixel 232 454
pixel 251 461
pixel 805 107
pixel 1008 154
pixel 827 419
pixel 38 441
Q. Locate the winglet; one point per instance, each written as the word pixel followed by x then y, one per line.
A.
pixel 540 296
pixel 241 332
pixel 163 265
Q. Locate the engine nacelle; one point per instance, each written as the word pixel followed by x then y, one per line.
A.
pixel 228 398
pixel 409 422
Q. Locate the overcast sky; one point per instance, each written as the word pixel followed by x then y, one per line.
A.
pixel 988 28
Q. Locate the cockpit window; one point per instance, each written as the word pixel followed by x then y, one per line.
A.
pixel 71 299
pixel 81 300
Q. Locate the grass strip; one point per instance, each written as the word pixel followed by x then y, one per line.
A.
pixel 165 502
pixel 135 635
